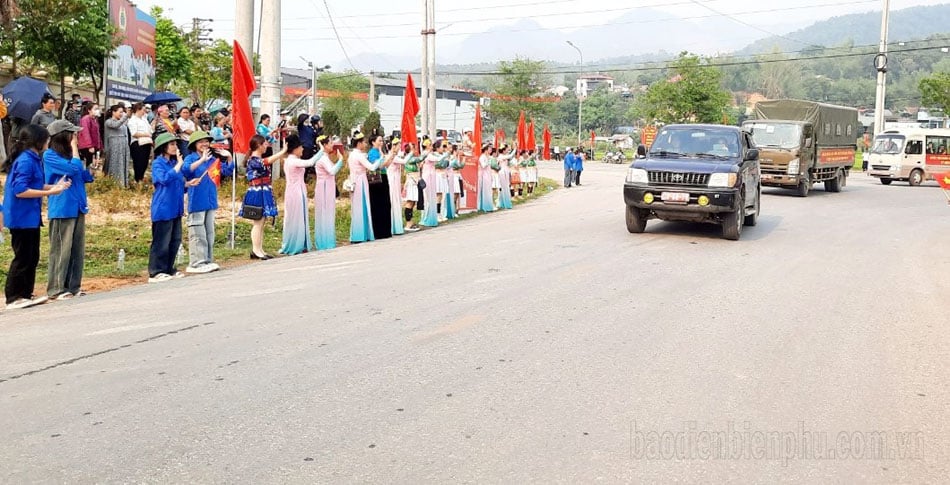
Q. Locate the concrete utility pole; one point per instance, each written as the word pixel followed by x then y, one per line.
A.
pixel 244 26
pixel 880 63
pixel 372 91
pixel 433 97
pixel 424 81
pixel 580 99
pixel 270 64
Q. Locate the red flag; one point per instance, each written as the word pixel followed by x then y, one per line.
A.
pixel 943 179
pixel 592 139
pixel 546 138
pixel 410 108
pixel 522 133
pixel 532 144
pixel 477 135
pixel 214 172
pixel 243 85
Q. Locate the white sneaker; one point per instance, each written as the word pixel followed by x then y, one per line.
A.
pixel 64 296
pixel 38 300
pixel 178 274
pixel 159 278
pixel 213 266
pixel 18 304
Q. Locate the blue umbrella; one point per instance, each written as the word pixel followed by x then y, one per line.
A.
pixel 23 97
pixel 162 97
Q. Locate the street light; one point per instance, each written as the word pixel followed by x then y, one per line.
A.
pixel 580 99
pixel 313 82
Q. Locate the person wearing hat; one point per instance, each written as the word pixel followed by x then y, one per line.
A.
pixel 168 205
pixel 203 166
pixel 22 205
pixel 329 163
pixel 67 211
pixel 308 137
pixel 296 238
pixel 485 199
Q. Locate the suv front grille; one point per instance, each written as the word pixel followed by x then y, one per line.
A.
pixel 680 178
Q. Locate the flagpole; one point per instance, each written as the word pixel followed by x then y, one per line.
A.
pixel 233 201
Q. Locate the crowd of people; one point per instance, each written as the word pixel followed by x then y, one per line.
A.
pixel 388 183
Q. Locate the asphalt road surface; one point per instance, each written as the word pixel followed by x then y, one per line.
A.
pixel 543 344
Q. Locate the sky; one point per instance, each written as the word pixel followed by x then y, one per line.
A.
pixel 384 34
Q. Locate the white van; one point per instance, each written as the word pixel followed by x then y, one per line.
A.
pixel 913 155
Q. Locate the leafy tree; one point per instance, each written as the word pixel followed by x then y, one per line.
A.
pixel 935 90
pixel 73 36
pixel 693 93
pixel 345 102
pixel 518 82
pixel 603 111
pixel 372 125
pixel 331 123
pixel 173 59
pixel 9 10
pixel 210 73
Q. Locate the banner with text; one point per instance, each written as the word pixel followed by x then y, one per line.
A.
pixel 130 72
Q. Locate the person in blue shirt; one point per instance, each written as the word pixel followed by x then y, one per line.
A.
pixel 264 129
pixel 578 165
pixel 308 136
pixel 202 203
pixel 67 211
pixel 22 203
pixel 568 168
pixel 168 205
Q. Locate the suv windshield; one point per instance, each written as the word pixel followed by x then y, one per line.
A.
pixel 888 144
pixel 696 143
pixel 780 135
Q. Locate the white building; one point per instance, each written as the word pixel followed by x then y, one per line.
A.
pixel 455 108
pixel 589 83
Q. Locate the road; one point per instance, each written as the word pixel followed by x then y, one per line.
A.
pixel 544 344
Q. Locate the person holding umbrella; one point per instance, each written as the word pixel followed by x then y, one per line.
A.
pixel 22 204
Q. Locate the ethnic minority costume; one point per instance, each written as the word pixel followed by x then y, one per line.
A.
pixel 484 202
pixel 411 191
pixel 442 179
pixel 324 201
pixel 259 192
pixel 296 217
pixel 455 187
pixel 361 216
pixel 531 171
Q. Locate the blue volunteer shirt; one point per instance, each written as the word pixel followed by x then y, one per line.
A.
pixel 578 163
pixel 569 161
pixel 26 173
pixel 204 196
pixel 72 201
pixel 168 201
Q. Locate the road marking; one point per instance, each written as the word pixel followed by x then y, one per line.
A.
pixel 129 328
pixel 457 326
pixel 325 267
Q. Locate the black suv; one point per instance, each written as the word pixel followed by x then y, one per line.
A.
pixel 696 173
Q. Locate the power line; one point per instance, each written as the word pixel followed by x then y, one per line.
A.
pixel 335 32
pixel 740 22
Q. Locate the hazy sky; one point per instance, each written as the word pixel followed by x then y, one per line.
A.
pixel 383 34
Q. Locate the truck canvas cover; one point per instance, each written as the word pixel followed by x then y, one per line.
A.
pixel 834 125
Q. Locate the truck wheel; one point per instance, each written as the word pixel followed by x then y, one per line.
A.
pixel 636 220
pixel 804 186
pixel 732 222
pixel 753 219
pixel 885 181
pixel 916 177
pixel 835 184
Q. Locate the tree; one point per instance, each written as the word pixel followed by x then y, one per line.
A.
pixel 173 59
pixel 372 125
pixel 9 10
pixel 935 91
pixel 692 93
pixel 348 100
pixel 210 73
pixel 331 122
pixel 73 36
pixel 519 81
pixel 603 111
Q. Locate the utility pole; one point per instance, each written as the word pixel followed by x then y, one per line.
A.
pixel 199 33
pixel 880 63
pixel 424 81
pixel 372 91
pixel 433 93
pixel 270 64
pixel 244 26
pixel 580 99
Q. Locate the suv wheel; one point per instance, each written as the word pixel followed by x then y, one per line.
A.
pixel 636 220
pixel 753 219
pixel 732 222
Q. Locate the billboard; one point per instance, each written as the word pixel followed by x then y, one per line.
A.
pixel 130 71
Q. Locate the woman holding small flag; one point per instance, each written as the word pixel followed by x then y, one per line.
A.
pixel 296 218
pixel 329 163
pixel 203 169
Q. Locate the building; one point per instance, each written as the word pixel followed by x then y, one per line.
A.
pixel 589 83
pixel 455 108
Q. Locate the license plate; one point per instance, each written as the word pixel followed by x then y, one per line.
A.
pixel 675 197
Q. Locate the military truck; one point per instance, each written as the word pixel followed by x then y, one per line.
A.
pixel 804 142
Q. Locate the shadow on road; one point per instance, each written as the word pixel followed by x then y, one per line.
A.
pixel 765 227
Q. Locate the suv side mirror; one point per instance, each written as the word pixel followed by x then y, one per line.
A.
pixel 751 155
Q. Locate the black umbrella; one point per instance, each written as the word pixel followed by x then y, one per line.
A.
pixel 162 97
pixel 23 97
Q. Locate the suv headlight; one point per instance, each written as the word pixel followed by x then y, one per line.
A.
pixel 793 167
pixel 722 180
pixel 637 176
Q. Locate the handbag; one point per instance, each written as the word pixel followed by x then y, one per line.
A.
pixel 252 212
pixel 422 184
pixel 374 177
pixel 349 185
